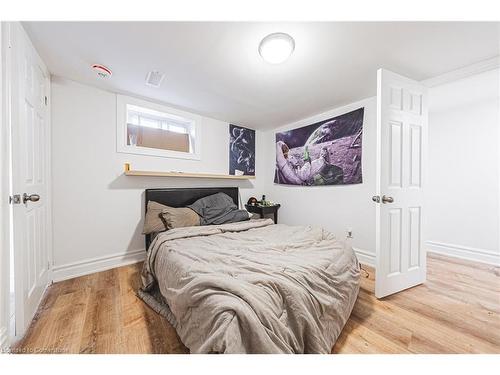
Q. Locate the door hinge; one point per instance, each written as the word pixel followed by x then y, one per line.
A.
pixel 46 100
pixel 48 264
pixel 15 199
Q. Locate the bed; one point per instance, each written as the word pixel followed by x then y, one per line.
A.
pixel 251 286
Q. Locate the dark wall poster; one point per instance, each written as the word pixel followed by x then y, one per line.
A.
pixel 324 153
pixel 241 151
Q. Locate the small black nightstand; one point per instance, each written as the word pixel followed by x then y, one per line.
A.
pixel 264 210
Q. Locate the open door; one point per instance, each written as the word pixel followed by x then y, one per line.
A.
pixel 401 162
pixel 30 135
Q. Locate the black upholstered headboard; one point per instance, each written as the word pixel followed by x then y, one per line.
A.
pixel 181 197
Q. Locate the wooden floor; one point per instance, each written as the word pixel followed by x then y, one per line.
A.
pixel 456 311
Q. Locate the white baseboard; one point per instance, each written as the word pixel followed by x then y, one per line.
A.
pixel 365 257
pixel 464 252
pixel 88 266
pixel 4 339
pixel 93 265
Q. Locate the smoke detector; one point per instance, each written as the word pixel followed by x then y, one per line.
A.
pixel 102 71
pixel 154 78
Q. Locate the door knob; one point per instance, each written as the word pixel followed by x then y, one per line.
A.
pixel 31 197
pixel 386 199
pixel 376 198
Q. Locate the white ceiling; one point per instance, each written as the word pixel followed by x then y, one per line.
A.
pixel 214 69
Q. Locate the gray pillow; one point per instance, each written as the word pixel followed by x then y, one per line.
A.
pixel 218 209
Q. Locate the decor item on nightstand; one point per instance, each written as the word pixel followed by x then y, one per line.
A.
pixel 241 151
pixel 252 201
pixel 325 153
pixel 264 210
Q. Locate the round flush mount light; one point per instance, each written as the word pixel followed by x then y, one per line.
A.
pixel 276 48
pixel 102 71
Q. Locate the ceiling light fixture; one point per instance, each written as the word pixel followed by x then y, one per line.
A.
pixel 276 48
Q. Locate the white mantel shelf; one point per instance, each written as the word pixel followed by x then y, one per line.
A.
pixel 130 172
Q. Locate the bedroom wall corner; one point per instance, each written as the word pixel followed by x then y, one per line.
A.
pixel 98 211
pixel 464 171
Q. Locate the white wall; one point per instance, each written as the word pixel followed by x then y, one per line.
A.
pixel 464 180
pixel 463 192
pixel 97 211
pixel 335 208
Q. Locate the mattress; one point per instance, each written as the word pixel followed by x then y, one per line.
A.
pixel 252 287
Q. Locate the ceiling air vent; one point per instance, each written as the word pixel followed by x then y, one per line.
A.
pixel 154 78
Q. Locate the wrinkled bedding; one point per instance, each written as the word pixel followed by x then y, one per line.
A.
pixel 252 287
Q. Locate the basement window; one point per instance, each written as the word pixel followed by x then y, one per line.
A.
pixel 152 129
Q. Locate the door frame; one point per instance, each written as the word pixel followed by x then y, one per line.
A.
pixel 4 188
pixel 9 29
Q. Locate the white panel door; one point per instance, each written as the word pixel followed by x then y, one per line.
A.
pixel 402 146
pixel 29 132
